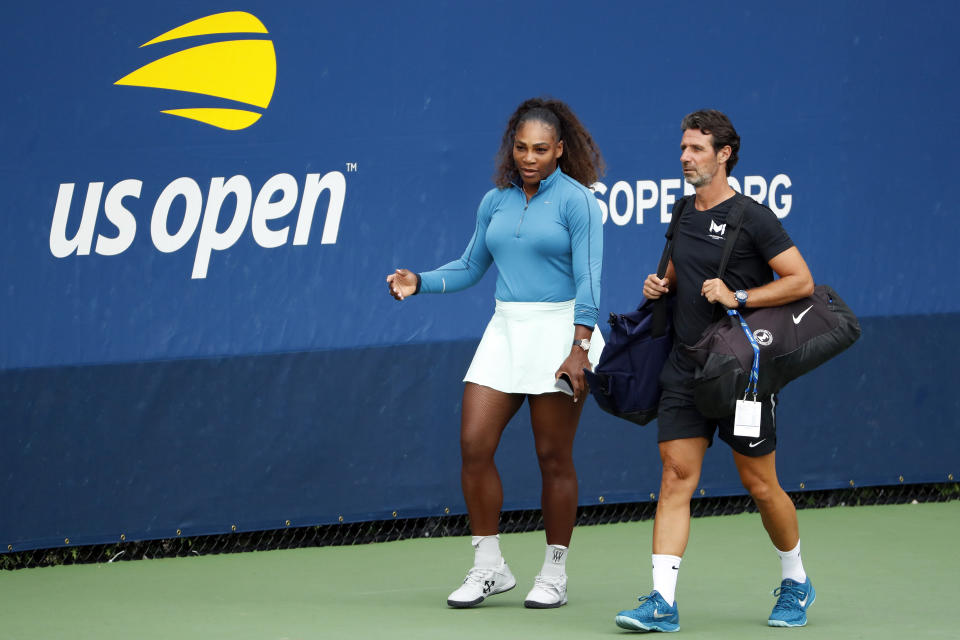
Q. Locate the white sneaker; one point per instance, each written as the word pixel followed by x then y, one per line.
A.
pixel 480 584
pixel 548 592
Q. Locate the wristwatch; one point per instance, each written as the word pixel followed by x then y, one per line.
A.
pixel 583 344
pixel 741 297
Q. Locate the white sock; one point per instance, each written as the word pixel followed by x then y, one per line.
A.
pixel 665 571
pixel 486 552
pixel 791 566
pixel 555 562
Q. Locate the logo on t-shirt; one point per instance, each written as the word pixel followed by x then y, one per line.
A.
pixel 717 230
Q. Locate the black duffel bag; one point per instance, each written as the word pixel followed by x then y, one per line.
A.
pixel 793 339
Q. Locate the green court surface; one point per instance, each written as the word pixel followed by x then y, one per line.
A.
pixel 880 572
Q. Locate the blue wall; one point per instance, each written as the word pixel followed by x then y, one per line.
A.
pixel 149 391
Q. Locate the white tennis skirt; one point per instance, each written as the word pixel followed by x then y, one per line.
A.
pixel 523 346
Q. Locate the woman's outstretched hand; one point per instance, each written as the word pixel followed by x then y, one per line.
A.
pixel 402 283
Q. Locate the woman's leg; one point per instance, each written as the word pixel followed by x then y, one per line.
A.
pixel 555 417
pixel 486 413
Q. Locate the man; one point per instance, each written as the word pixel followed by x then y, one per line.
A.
pixel 709 151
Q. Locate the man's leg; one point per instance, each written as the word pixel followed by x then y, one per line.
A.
pixel 779 517
pixel 682 461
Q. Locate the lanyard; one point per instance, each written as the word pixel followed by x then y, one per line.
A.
pixel 755 370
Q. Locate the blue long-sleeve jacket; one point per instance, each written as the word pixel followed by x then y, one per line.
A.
pixel 549 249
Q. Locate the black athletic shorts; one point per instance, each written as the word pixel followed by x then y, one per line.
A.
pixel 678 417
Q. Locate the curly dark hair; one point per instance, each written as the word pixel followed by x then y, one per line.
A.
pixel 581 159
pixel 717 124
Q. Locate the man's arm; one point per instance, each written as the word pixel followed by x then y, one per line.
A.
pixel 795 282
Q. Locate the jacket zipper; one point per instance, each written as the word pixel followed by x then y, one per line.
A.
pixel 519 224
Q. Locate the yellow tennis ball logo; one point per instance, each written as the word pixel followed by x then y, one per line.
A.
pixel 239 70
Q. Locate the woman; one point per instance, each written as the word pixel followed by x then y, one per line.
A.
pixel 541 225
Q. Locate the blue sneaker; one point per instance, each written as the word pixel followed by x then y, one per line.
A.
pixel 792 603
pixel 653 614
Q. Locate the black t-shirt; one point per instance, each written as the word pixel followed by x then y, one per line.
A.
pixel 697 251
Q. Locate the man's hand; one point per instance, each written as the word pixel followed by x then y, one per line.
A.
pixel 654 287
pixel 715 291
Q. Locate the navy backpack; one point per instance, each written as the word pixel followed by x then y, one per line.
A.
pixel 626 381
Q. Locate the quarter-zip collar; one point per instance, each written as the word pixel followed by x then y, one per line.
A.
pixel 545 184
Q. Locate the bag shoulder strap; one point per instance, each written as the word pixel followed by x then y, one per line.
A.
pixel 658 323
pixel 678 209
pixel 734 223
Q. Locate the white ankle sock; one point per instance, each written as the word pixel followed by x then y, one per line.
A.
pixel 665 571
pixel 555 561
pixel 791 566
pixel 486 552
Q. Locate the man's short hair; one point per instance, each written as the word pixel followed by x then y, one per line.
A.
pixel 717 124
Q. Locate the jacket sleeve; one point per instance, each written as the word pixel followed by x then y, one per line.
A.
pixel 584 221
pixel 470 267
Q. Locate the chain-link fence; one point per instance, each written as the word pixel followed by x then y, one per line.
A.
pixel 452 525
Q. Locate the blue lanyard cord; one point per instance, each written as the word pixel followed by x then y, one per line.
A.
pixel 755 370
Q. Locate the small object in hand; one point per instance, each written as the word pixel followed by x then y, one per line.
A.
pixel 563 384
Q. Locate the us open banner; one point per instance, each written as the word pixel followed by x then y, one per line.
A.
pixel 201 201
